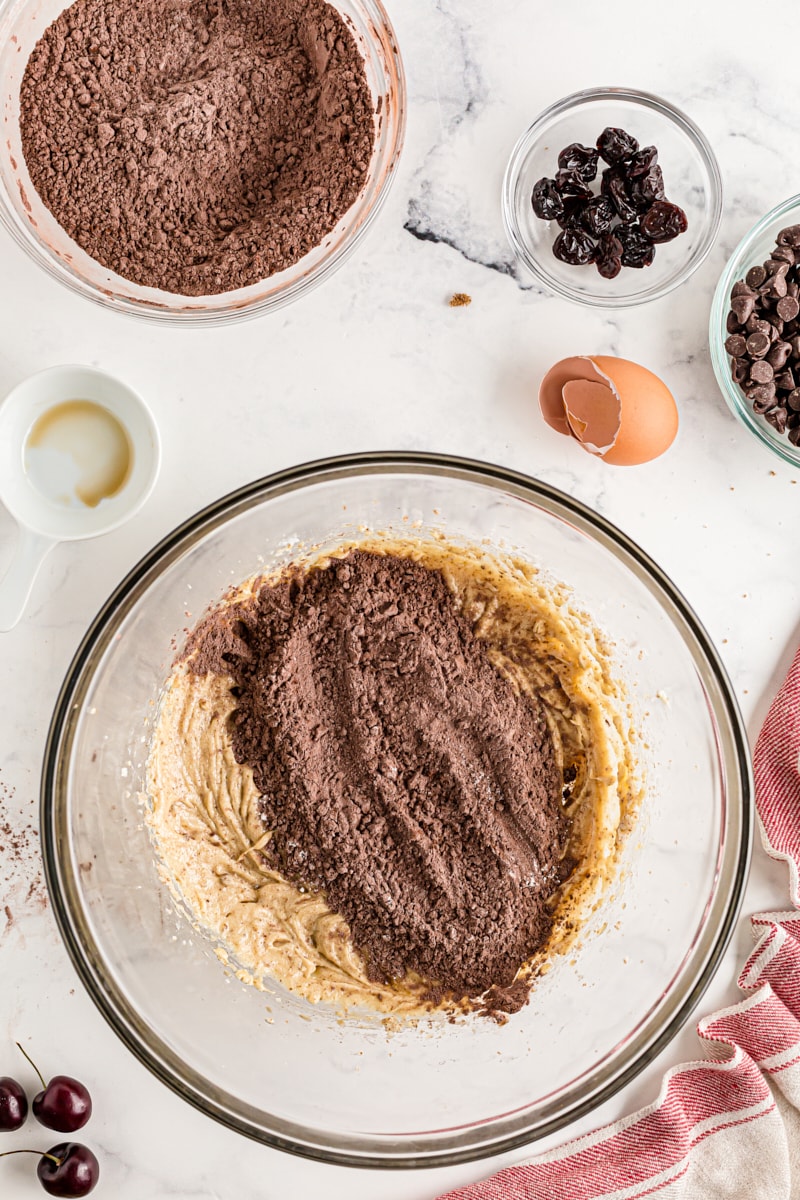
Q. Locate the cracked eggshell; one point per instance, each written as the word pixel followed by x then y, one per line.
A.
pixel 649 414
pixel 616 409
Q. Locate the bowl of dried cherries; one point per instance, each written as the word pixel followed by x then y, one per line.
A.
pixel 754 334
pixel 612 197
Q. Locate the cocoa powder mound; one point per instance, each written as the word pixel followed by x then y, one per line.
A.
pixel 400 773
pixel 197 146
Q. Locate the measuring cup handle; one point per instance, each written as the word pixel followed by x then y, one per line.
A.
pixel 15 587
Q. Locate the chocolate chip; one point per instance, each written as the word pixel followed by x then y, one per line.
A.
pixel 793 400
pixel 777 286
pixel 758 344
pixel 785 381
pixel 732 323
pixel 740 369
pixel 777 418
pixel 763 397
pixel 736 345
pixel 761 371
pixel 743 307
pixel 755 277
pixel 789 236
pixel 787 308
pixel 779 354
pixel 794 435
pixel 783 254
pixel 743 289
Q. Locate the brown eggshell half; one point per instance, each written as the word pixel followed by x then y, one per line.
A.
pixel 551 400
pixel 593 414
pixel 649 415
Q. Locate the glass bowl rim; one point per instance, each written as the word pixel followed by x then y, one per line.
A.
pixel 345 1150
pixel 586 96
pixel 381 30
pixel 731 392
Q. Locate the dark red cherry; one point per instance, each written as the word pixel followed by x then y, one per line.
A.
pixel 63 1104
pixel 69 1169
pixel 13 1105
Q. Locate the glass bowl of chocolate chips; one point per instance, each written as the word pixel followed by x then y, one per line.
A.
pixel 754 333
pixel 612 198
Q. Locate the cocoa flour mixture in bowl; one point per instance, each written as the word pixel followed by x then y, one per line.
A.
pixel 396 810
pixel 420 764
pixel 196 161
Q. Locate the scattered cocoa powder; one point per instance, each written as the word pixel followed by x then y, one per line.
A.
pixel 21 872
pixel 400 773
pixel 193 145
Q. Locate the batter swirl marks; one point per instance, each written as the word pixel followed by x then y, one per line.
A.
pixel 370 782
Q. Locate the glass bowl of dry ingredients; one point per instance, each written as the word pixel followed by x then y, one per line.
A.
pixel 771 411
pixel 367 1087
pixel 198 168
pixel 691 181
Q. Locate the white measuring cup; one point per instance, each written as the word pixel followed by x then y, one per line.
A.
pixel 43 522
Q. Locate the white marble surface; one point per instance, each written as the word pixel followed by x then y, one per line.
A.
pixel 376 359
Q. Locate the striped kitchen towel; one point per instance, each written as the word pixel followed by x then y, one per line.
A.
pixel 727 1126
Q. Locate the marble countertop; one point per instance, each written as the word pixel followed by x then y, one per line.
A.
pixel 377 360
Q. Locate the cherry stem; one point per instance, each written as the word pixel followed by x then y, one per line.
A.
pixel 33 1064
pixel 41 1153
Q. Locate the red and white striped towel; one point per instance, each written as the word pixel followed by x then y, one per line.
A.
pixel 727 1127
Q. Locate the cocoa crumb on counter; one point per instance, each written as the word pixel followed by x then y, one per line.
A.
pixel 460 300
pixel 21 871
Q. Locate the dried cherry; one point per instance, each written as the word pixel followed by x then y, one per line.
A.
pixel 574 246
pixel 615 186
pixel 546 200
pixel 647 188
pixel 614 145
pixel 574 208
pixel 598 215
pixel 637 250
pixel 664 221
pixel 582 159
pixel 642 161
pixel 609 256
pixel 570 183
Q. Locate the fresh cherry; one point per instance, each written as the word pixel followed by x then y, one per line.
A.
pixel 63 1104
pixel 13 1105
pixel 68 1169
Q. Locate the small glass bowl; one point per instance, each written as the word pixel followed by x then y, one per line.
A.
pixel 753 249
pixel 33 227
pixel 691 176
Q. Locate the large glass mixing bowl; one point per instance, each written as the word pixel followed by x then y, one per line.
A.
pixel 33 227
pixel 296 1076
